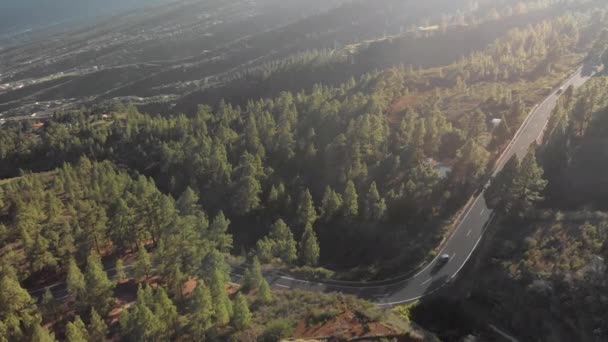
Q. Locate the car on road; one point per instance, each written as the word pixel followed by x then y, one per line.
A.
pixel 443 259
pixel 560 90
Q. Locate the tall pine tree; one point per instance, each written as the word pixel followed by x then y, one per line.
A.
pixel 309 247
pixel 351 200
pixel 306 213
pixel 98 286
pixel 242 315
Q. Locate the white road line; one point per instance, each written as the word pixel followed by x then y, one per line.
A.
pixel 452 257
pixel 469 232
pixel 453 276
pixel 279 285
pixel 482 211
pixel 426 281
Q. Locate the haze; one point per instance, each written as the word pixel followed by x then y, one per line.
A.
pixel 270 170
pixel 19 15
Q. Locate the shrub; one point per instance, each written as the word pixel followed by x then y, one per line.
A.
pixel 313 273
pixel 405 311
pixel 277 330
pixel 322 315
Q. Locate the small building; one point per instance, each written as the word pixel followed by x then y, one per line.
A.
pixel 496 122
pixel 443 168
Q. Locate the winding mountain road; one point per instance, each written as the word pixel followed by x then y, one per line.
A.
pixel 463 241
pixel 459 246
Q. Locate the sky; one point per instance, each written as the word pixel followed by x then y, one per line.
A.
pixel 18 15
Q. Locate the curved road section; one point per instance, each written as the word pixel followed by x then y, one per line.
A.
pixel 465 238
pixel 459 247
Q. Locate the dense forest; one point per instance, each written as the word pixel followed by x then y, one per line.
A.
pixel 329 158
pixel 426 49
pixel 85 219
pixel 542 271
pixel 137 218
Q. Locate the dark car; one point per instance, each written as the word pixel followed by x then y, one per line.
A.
pixel 443 259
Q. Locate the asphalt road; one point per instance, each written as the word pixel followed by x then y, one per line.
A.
pixel 463 241
pixel 460 245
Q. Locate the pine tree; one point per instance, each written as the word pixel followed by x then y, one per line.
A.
pixel 175 282
pixel 264 249
pixel 351 200
pixel 273 197
pixel 187 203
pixel 121 276
pixel 247 196
pixel 309 247
pixel 202 312
pixel 475 124
pixel 331 204
pixel 98 285
pixel 143 265
pixel 418 136
pixel 247 284
pixel 306 213
pixel 218 231
pixel 97 328
pixel 221 303
pixel 75 280
pixel 264 295
pixel 215 262
pixel 18 314
pixel 242 315
pixel 140 323
pixel 472 163
pixel 499 194
pixel 121 224
pixel 375 206
pixel 284 244
pixel 47 303
pixel 161 213
pixel 252 137
pixel 253 276
pixel 166 312
pixel 256 271
pixel 76 331
pixel 528 185
pixel 40 334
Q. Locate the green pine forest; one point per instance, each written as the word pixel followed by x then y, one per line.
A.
pixel 339 181
pixel 542 271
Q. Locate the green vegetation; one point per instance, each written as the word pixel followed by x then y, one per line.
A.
pixel 518 187
pixel 349 174
pixel 543 271
pixel 19 319
pixel 355 161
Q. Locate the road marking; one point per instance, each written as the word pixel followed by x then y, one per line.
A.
pixel 442 285
pixel 482 211
pixel 469 232
pixel 294 279
pixel 279 285
pixel 426 281
pixel 452 257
